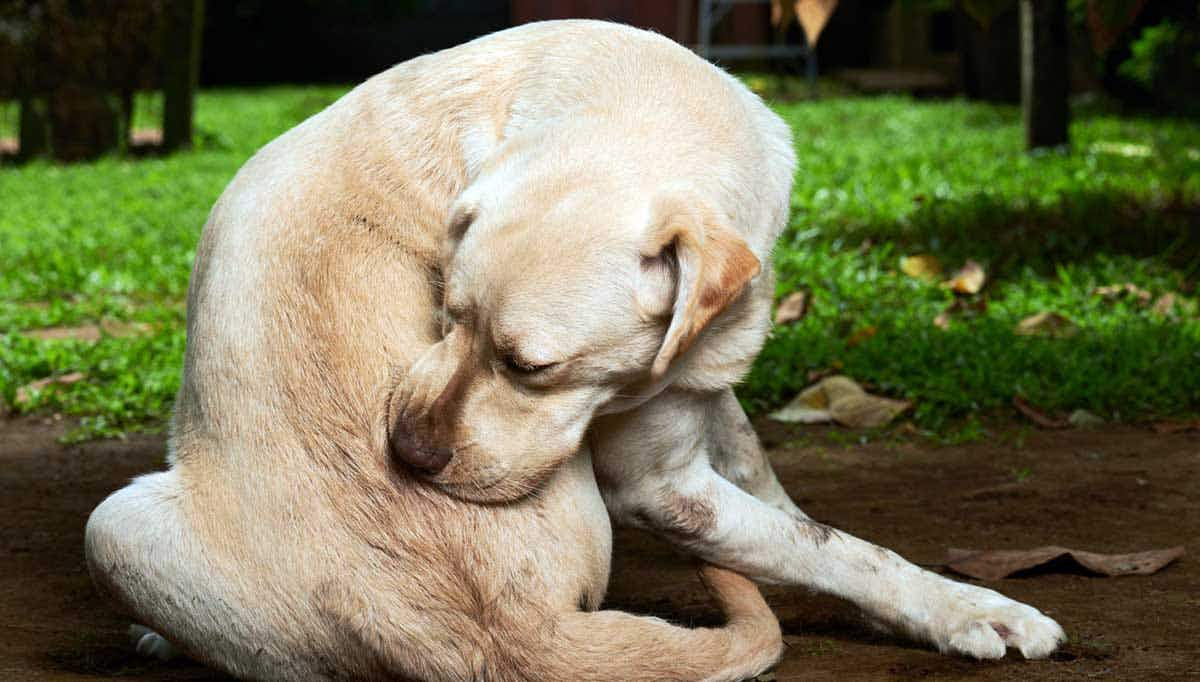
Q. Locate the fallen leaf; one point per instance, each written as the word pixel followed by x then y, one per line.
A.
pixel 811 406
pixel 813 15
pixel 976 306
pixel 1047 324
pixel 860 335
pixel 1038 417
pixel 1116 291
pixel 1084 420
pixel 867 411
pixel 1165 305
pixel 997 564
pixel 922 266
pixel 840 399
pixel 1176 426
pixel 793 308
pixel 1106 20
pixel 145 137
pixel 1127 149
pixel 89 332
pixel 968 280
pixel 942 321
pixel 815 375
pixel 758 85
pixel 25 393
pixel 984 11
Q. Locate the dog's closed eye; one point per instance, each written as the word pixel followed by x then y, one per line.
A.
pixel 516 364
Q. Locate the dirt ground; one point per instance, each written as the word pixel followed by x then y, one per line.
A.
pixel 1112 490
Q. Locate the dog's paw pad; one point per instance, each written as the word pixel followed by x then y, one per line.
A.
pixel 150 644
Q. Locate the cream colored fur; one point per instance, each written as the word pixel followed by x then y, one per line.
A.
pixel 286 541
pixel 419 322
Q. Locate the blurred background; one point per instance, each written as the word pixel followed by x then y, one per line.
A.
pixel 89 56
pixel 996 211
pixel 987 324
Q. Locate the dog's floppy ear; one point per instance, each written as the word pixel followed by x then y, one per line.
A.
pixel 713 265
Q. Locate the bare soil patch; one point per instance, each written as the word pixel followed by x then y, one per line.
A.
pixel 1117 489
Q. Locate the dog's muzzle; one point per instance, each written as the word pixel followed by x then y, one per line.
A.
pixel 407 447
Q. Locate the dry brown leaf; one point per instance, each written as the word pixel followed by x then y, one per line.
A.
pixel 921 266
pixel 1082 419
pixel 793 308
pixel 867 411
pixel 811 406
pixel 1176 426
pixel 1037 416
pixel 984 11
pixel 813 15
pixel 1106 20
pixel 1047 324
pixel 997 564
pixel 1116 291
pixel 842 400
pixel 968 280
pixel 959 305
pixel 942 321
pixel 1165 305
pixel 146 137
pixel 861 335
pixel 89 332
pixel 815 375
pixel 25 393
pixel 782 13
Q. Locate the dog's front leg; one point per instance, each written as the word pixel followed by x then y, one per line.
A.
pixel 734 451
pixel 654 469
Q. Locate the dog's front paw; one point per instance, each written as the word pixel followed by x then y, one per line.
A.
pixel 980 623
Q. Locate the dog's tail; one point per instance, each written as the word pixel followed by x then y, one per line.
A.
pixel 613 645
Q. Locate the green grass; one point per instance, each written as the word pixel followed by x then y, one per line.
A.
pixel 115 239
pixel 883 178
pixel 879 179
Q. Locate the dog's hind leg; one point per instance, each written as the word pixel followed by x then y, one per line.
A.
pixel 133 548
pixel 589 646
pixel 613 645
pixel 142 553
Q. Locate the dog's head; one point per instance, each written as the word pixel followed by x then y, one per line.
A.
pixel 559 302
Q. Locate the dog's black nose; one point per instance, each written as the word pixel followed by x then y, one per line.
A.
pixel 411 450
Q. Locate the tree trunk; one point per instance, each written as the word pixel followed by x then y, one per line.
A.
pixel 181 56
pixel 34 129
pixel 1044 72
pixel 83 122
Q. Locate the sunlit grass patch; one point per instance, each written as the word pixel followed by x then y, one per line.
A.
pixel 878 179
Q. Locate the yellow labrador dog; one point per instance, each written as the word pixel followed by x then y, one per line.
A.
pixel 421 319
pixel 290 538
